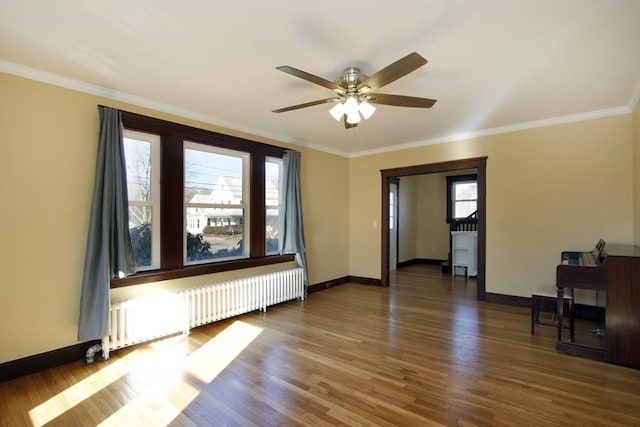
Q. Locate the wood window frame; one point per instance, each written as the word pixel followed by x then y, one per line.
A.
pixel 173 135
pixel 451 180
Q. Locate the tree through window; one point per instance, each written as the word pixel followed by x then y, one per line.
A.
pixel 142 156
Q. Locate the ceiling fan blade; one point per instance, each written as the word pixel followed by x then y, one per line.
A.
pixel 311 78
pixel 400 100
pixel 306 104
pixel 348 125
pixel 393 72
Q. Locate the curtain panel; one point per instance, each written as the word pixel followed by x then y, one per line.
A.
pixel 109 252
pixel 291 228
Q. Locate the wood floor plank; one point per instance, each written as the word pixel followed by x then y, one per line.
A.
pixel 421 352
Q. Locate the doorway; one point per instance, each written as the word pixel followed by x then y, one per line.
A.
pixel 390 176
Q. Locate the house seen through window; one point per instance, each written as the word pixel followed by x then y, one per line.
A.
pixel 214 202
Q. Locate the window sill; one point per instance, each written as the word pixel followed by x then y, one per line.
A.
pixel 197 270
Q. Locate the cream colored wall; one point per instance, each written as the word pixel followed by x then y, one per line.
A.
pixel 433 231
pixel 325 212
pixel 548 189
pixel 47 158
pixel 407 218
pixel 48 141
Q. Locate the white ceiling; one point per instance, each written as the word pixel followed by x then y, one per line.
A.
pixel 493 65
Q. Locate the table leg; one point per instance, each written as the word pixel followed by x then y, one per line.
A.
pixel 560 312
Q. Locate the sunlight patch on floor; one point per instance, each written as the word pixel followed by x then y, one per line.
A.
pixel 168 392
pixel 166 397
pixel 80 391
pixel 210 359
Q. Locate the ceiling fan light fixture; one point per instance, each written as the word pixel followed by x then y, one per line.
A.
pixel 353 118
pixel 351 106
pixel 366 109
pixel 351 110
pixel 337 111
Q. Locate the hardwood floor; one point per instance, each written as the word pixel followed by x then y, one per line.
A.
pixel 421 352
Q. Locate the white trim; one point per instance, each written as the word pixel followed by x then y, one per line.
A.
pixel 58 80
pixel 499 130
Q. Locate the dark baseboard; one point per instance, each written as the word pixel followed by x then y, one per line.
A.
pixel 328 284
pixel 365 280
pixel 416 261
pixel 508 299
pixel 40 362
pixel 341 281
pixel 581 351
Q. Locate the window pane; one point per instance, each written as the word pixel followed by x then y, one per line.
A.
pixel 464 209
pixel 138 158
pixel 392 210
pixel 141 235
pixel 465 194
pixel 212 178
pixel 466 191
pixel 271 195
pixel 215 211
pixel 141 156
pixel 214 233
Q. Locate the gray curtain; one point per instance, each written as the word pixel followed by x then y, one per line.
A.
pixel 109 251
pixel 290 228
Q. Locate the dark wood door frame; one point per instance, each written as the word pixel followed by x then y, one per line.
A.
pixel 478 163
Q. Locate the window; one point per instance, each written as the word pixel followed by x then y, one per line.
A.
pixel 462 196
pixel 392 210
pixel 215 206
pixel 200 202
pixel 272 184
pixel 142 156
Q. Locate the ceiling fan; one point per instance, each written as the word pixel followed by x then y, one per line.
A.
pixel 355 91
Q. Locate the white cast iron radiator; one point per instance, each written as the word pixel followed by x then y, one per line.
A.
pixel 146 318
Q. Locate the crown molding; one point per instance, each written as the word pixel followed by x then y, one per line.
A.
pixel 91 89
pixel 500 130
pixel 78 85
